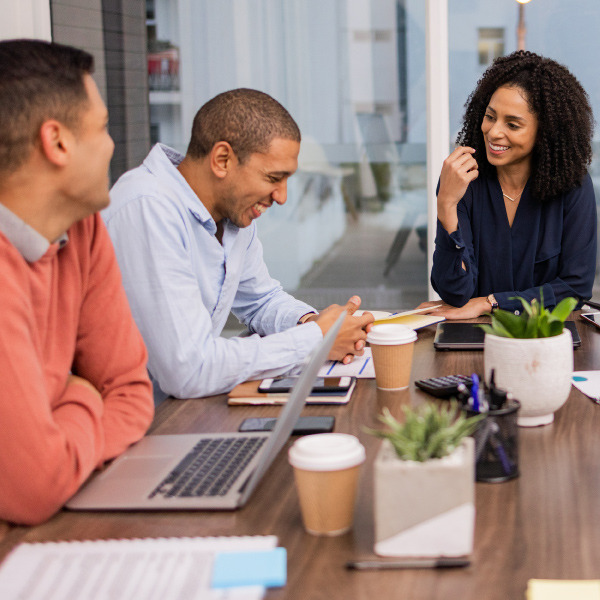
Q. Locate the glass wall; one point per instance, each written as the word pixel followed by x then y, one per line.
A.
pixel 351 72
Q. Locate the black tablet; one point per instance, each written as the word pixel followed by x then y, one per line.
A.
pixel 452 335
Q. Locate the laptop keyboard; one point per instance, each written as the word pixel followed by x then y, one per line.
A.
pixel 210 468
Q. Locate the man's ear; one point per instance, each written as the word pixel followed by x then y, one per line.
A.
pixel 222 159
pixel 55 141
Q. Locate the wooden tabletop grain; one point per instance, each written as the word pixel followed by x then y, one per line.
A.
pixel 544 524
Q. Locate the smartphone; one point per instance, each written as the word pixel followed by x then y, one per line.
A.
pixel 304 425
pixel 592 317
pixel 322 385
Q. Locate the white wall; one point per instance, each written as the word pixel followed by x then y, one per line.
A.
pixel 25 19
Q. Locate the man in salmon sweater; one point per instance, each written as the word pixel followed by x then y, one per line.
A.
pixel 74 388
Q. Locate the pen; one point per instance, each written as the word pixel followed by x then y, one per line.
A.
pixel 496 444
pixel 482 438
pixel 497 396
pixel 463 393
pixel 475 392
pixel 441 562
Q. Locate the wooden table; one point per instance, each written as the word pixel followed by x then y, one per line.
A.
pixel 544 524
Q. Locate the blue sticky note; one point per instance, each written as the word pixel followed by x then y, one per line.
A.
pixel 264 567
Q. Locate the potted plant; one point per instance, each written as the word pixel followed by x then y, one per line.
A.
pixel 532 356
pixel 424 483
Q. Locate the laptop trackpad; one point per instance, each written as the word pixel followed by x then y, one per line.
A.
pixel 128 469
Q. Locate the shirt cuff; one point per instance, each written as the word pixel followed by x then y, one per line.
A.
pixel 506 301
pixel 305 317
pixel 306 338
pixel 452 242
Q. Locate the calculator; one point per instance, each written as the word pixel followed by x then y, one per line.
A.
pixel 444 387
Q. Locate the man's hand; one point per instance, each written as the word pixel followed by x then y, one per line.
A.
pixel 76 380
pixel 475 307
pixel 351 338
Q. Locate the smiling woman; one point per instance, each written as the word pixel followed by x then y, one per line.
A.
pixel 516 207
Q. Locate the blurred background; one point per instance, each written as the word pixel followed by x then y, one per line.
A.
pixel 353 75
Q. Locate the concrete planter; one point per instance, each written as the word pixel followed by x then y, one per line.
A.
pixel 536 371
pixel 425 509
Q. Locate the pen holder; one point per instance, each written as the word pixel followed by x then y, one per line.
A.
pixel 496 444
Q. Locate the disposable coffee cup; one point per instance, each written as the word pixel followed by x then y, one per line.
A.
pixel 326 470
pixel 392 347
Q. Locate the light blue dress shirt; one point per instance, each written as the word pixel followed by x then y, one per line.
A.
pixel 182 284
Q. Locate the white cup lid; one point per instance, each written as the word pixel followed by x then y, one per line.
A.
pixel 390 334
pixel 326 452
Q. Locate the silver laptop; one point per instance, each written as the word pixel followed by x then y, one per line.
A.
pixel 198 471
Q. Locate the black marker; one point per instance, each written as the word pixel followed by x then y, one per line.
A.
pixel 497 396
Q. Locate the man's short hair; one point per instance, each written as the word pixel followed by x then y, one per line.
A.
pixel 38 81
pixel 247 119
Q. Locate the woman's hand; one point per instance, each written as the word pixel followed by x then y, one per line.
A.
pixel 458 170
pixel 475 307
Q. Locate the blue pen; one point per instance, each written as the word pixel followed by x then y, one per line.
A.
pixel 475 392
pixel 496 444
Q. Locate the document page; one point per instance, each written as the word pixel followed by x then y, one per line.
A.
pixel 141 569
pixel 361 367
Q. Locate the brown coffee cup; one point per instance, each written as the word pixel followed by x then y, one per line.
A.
pixel 326 471
pixel 392 348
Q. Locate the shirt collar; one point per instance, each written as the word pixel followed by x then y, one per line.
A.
pixel 31 244
pixel 163 162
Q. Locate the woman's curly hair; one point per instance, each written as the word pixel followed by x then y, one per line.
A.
pixel 562 150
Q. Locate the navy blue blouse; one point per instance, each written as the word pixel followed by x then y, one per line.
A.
pixel 550 246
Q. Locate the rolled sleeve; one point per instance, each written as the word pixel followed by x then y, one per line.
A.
pixel 449 279
pixel 180 295
pixel 260 302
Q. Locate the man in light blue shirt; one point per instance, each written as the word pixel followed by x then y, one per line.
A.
pixel 186 243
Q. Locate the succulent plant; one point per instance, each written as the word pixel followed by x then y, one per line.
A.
pixel 430 431
pixel 535 321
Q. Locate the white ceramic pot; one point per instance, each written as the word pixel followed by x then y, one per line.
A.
pixel 536 371
pixel 424 508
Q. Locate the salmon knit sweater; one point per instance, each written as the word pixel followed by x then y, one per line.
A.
pixel 65 313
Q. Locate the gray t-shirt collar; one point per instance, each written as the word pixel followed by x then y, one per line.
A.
pixel 31 244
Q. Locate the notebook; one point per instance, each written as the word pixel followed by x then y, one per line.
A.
pixel 415 319
pixel 198 471
pixel 559 589
pixel 452 335
pixel 247 394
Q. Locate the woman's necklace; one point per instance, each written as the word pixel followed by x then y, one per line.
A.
pixel 512 199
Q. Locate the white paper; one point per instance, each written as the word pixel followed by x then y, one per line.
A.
pixel 415 319
pixel 377 314
pixel 140 569
pixel 587 382
pixel 361 367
